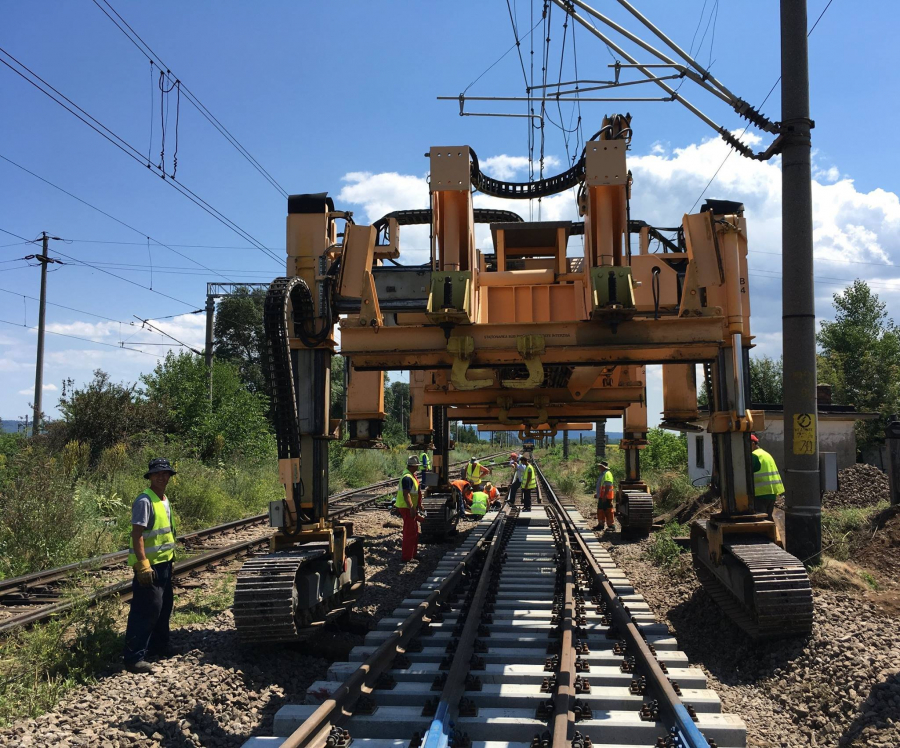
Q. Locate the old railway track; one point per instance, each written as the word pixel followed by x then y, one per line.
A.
pixel 526 636
pixel 31 598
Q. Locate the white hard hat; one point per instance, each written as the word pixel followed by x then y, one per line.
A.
pixel 412 460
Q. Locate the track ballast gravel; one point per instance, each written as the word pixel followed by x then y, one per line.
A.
pixel 841 687
pixel 858 486
pixel 217 694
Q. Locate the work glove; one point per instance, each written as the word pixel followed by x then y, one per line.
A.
pixel 144 573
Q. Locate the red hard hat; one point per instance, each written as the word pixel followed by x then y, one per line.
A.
pixel 513 455
pixel 754 438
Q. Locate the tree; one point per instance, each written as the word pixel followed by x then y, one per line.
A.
pixel 766 380
pixel 860 358
pixel 238 334
pixel 235 421
pixel 101 414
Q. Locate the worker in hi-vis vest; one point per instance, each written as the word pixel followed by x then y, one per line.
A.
pixel 475 471
pixel 408 503
pixel 529 483
pixel 767 485
pixel 606 496
pixel 151 553
pixel 479 504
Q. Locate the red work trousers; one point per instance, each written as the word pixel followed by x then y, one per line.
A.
pixel 410 533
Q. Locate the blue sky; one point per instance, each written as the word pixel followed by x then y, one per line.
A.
pixel 341 97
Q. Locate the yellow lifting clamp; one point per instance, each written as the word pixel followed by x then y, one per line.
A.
pixel 506 404
pixel 530 348
pixel 461 347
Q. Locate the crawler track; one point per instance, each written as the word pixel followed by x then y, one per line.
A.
pixel 526 635
pixel 43 594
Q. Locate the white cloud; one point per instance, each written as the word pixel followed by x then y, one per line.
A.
pixel 506 167
pixel 848 224
pixel 45 388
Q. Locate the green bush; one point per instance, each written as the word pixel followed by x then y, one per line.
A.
pixel 841 527
pixel 665 450
pixel 664 552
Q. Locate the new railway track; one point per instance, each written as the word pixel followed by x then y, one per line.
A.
pixel 46 593
pixel 525 636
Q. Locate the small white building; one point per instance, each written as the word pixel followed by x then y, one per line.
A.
pixel 836 434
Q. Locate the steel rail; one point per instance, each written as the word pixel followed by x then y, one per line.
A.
pixel 22 583
pixel 439 733
pixel 123 589
pixel 672 709
pixel 314 732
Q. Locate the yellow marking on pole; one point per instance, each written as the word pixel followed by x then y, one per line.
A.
pixel 804 433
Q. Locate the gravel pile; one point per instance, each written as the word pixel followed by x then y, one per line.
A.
pixel 217 693
pixel 839 688
pixel 858 486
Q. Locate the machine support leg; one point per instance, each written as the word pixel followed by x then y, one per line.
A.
pixel 803 510
pixel 600 439
pixel 565 445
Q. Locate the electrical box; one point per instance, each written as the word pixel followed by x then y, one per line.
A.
pixel 828 472
pixel 430 480
pixel 276 514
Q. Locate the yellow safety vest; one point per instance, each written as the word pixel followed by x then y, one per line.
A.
pixel 159 540
pixel 607 493
pixel 479 503
pixel 400 503
pixel 766 482
pixel 530 478
pixel 424 460
pixel 473 473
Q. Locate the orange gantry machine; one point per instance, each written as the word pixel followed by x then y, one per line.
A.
pixel 554 324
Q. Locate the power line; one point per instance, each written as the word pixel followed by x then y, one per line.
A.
pixel 85 340
pixel 127 280
pixel 62 306
pixel 112 217
pixel 759 108
pixel 143 244
pixel 41 85
pixel 145 50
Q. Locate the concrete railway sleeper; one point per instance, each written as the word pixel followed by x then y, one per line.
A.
pixel 540 642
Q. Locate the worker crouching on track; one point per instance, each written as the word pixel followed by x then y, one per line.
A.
pixel 480 503
pixel 463 495
pixel 767 485
pixel 493 494
pixel 606 493
pixel 152 551
pixel 529 483
pixel 408 503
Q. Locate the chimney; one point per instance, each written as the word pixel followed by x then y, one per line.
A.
pixel 823 394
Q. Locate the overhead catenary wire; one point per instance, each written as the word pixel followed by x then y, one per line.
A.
pixel 85 340
pixel 154 58
pixel 48 90
pixel 759 108
pixel 112 217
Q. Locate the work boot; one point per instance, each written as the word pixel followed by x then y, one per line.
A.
pixel 141 667
pixel 163 653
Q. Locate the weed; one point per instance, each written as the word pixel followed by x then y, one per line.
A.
pixel 664 552
pixel 40 664
pixel 841 529
pixel 869 579
pixel 203 605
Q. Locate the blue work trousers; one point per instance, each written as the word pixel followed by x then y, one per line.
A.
pixel 148 619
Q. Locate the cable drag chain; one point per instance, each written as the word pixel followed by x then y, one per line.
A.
pixel 543 644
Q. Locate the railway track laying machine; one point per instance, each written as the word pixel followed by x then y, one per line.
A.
pixel 531 334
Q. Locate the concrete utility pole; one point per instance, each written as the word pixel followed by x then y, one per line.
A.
pixel 803 501
pixel 565 445
pixel 208 350
pixel 600 439
pixel 39 365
